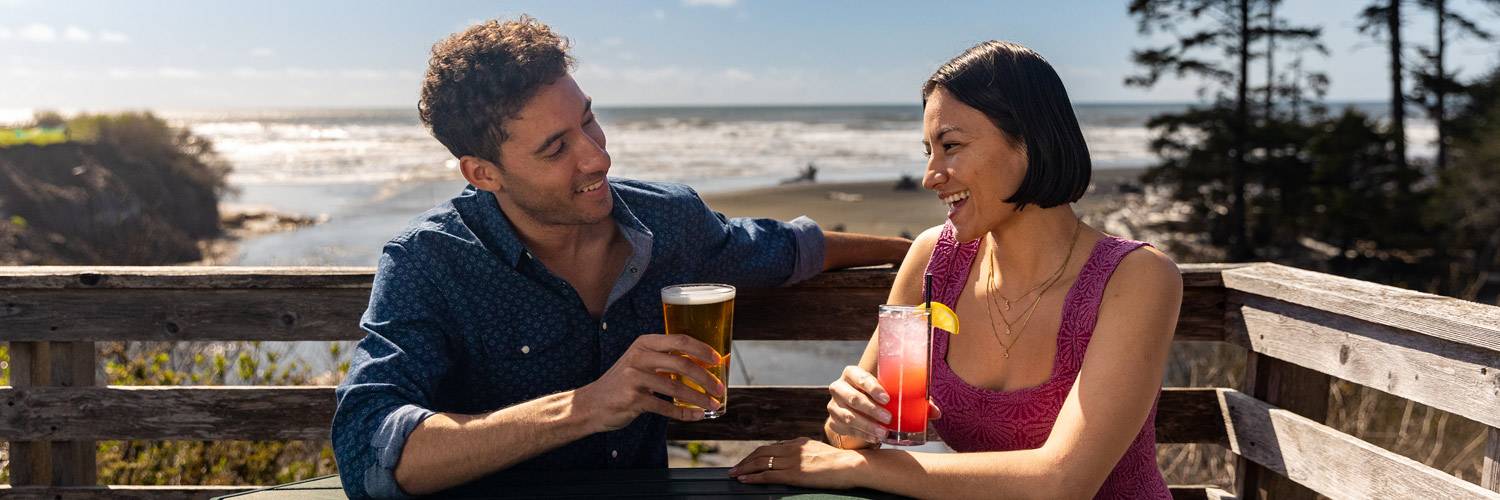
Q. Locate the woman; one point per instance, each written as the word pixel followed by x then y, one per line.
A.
pixel 1051 390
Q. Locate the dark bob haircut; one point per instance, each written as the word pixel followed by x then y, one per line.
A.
pixel 1026 100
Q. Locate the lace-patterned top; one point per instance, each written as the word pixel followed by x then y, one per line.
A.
pixel 979 419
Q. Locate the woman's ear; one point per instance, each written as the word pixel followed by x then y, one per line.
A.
pixel 482 173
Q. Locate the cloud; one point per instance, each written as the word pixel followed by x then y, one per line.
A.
pixel 179 73
pixel 76 34
pixel 659 14
pixel 613 41
pixel 247 72
pixel 710 3
pixel 22 72
pixel 37 33
pixel 42 33
pixel 737 75
pixel 262 52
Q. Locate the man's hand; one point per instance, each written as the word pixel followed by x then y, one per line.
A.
pixel 630 387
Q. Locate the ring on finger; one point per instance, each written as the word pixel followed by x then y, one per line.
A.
pixel 770 463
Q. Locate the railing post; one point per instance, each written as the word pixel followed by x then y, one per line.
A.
pixel 58 463
pixel 74 463
pixel 30 461
pixel 1489 477
pixel 1290 387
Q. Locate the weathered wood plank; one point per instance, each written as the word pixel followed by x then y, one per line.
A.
pixel 314 314
pixel 120 492
pixel 213 277
pixel 1446 318
pixel 182 315
pixel 30 462
pixel 196 277
pixel 1198 492
pixel 214 413
pixel 1328 461
pixel 1489 476
pixel 803 313
pixel 1202 315
pixel 1295 389
pixel 74 463
pixel 166 412
pixel 1449 376
pixel 1189 415
pixel 1179 492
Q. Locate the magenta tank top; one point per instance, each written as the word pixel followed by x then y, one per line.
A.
pixel 979 419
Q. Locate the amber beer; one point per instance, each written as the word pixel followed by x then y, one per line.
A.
pixel 704 312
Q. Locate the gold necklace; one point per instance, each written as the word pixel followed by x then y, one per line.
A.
pixel 1027 313
pixel 993 291
pixel 993 288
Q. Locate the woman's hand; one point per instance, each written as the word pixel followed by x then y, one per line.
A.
pixel 801 462
pixel 855 410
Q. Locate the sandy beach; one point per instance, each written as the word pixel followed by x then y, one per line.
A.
pixel 877 208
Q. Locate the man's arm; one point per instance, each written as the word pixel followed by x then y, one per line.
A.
pixel 390 443
pixel 841 250
pixel 448 449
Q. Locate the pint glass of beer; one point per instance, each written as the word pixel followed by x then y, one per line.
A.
pixel 705 312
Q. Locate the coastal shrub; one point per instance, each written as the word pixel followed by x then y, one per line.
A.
pixel 127 189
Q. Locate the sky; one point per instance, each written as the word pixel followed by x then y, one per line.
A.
pixel 216 54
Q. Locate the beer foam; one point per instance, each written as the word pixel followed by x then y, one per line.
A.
pixel 693 295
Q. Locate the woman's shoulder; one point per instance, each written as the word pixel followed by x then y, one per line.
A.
pixel 928 240
pixel 909 276
pixel 1149 265
pixel 1145 277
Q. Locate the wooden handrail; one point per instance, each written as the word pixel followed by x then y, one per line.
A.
pixel 218 413
pixel 1437 351
pixel 306 304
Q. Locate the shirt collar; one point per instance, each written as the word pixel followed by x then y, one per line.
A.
pixel 481 213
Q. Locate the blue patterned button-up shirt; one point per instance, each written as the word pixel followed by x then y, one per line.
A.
pixel 462 319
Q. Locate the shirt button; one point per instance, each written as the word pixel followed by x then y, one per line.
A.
pixel 604 326
pixel 525 349
pixel 614 454
pixel 633 270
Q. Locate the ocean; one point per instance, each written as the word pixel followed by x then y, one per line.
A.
pixel 370 170
pixel 717 147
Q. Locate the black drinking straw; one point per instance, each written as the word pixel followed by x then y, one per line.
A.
pixel 927 297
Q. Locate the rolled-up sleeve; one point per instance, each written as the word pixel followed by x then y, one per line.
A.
pixel 755 252
pixel 391 378
pixel 809 249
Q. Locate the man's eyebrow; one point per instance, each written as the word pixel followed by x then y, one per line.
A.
pixel 547 144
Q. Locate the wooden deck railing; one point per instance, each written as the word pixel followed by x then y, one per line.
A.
pixel 1301 329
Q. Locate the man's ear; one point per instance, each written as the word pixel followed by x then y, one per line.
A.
pixel 482 173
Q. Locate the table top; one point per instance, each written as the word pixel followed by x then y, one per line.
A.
pixel 675 483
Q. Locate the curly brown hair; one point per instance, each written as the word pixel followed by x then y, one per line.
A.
pixel 479 78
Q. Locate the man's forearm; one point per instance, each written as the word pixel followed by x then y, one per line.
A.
pixel 449 449
pixel 841 250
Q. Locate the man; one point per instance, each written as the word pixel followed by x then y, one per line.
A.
pixel 517 325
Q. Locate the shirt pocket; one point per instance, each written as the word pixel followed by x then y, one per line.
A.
pixel 528 339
